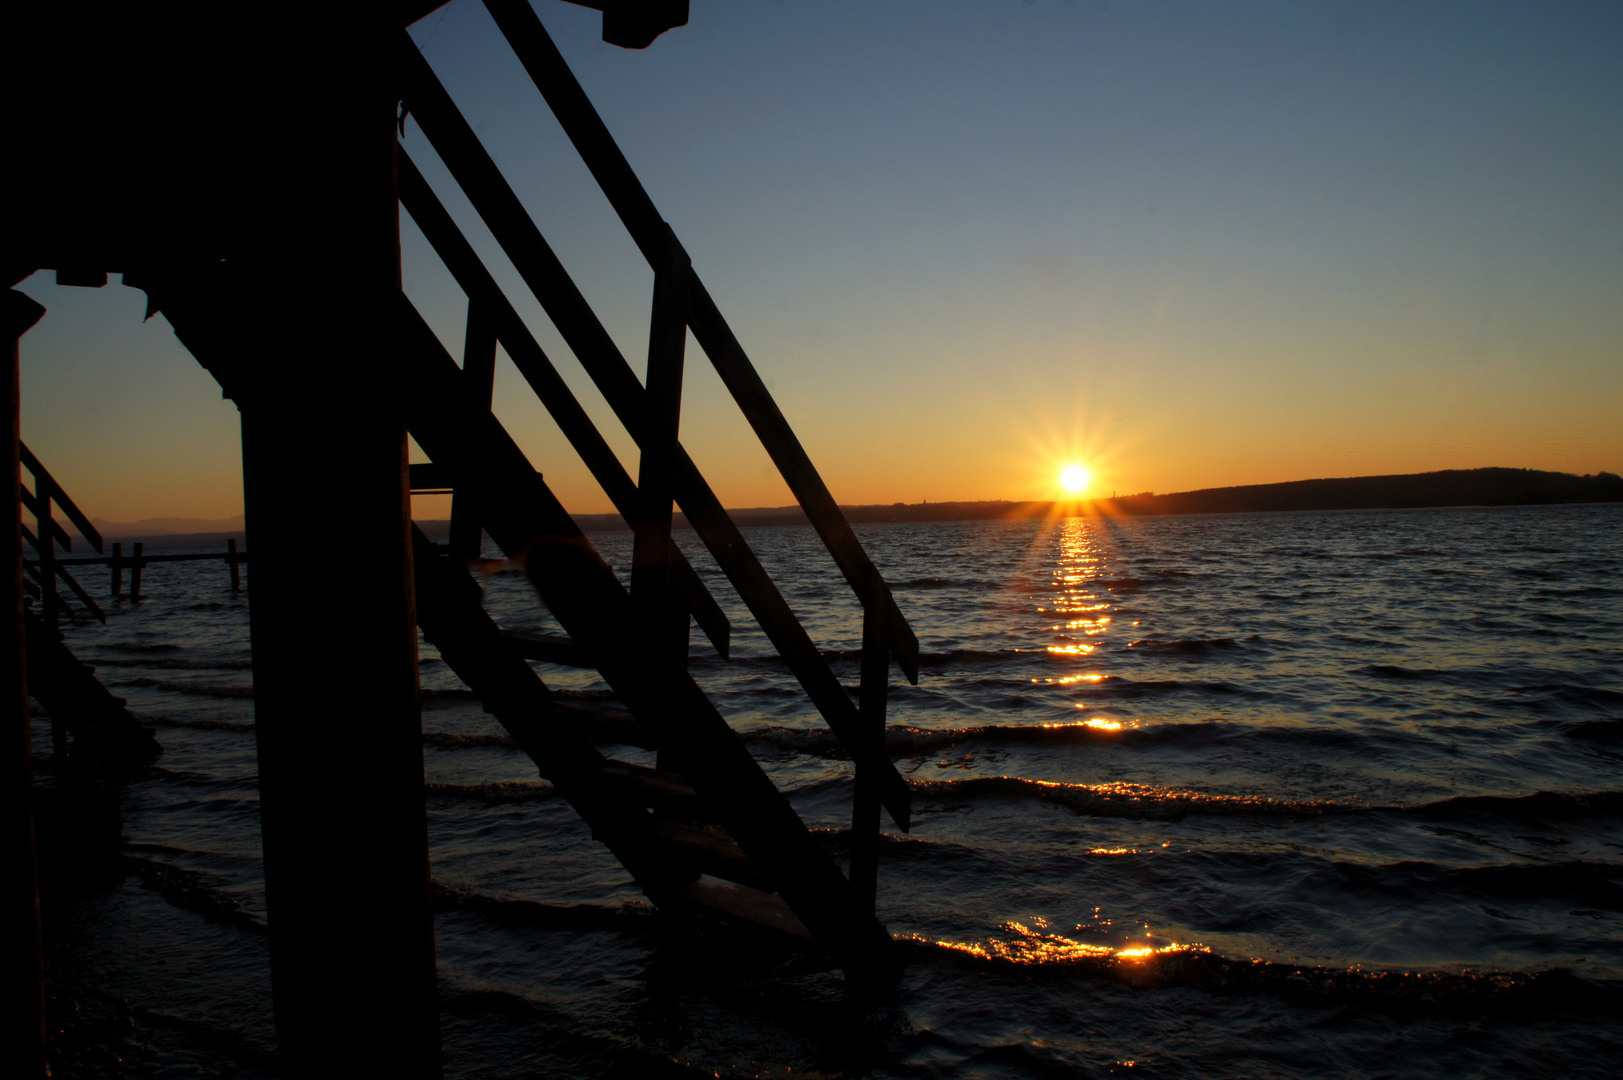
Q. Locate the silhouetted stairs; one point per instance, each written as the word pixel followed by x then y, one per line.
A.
pixel 102 728
pixel 711 833
pixel 707 830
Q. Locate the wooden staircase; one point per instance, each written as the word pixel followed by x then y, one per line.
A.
pixel 707 830
pixel 103 730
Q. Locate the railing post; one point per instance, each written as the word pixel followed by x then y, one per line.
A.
pixel 116 564
pixel 348 821
pixel 231 560
pixel 875 688
pixel 652 553
pixel 43 528
pixel 137 564
pixel 479 375
pixel 22 1031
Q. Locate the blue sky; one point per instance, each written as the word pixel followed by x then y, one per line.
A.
pixel 1190 244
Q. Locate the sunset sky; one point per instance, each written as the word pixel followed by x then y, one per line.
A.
pixel 1183 244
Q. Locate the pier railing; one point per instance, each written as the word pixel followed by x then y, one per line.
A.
pixel 664 588
pixel 43 501
pixel 47 535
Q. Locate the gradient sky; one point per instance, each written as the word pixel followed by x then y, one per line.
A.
pixel 1188 244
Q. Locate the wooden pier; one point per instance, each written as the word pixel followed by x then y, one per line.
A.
pixel 705 833
pixel 137 561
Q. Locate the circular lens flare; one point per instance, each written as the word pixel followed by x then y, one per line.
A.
pixel 1074 479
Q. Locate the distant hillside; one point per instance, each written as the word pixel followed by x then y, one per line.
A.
pixel 149 528
pixel 1453 487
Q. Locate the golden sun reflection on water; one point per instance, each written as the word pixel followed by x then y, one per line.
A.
pixel 1026 946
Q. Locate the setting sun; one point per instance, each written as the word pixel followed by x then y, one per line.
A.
pixel 1074 479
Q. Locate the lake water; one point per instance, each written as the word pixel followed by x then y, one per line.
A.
pixel 1316 794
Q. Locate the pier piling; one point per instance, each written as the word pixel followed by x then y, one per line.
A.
pixel 335 700
pixel 22 957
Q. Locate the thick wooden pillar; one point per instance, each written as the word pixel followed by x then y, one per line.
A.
pixel 331 612
pixel 22 954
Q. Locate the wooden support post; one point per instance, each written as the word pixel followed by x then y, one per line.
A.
pixel 337 721
pixel 22 963
pixel 116 563
pixel 45 529
pixel 231 560
pixel 136 565
pixel 479 373
pixel 653 550
pixel 865 800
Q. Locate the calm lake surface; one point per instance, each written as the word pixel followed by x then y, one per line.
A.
pixel 1303 795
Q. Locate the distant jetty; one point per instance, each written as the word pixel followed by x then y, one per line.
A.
pixel 1451 487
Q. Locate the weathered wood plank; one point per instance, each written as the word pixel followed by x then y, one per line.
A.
pixel 548 648
pixel 666 792
pixel 711 850
pixel 712 895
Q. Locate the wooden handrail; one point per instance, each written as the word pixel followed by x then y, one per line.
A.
pixel 494 200
pixel 532 362
pixel 36 506
pixel 60 497
pixel 521 26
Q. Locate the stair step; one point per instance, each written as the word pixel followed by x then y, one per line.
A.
pixel 667 792
pixel 603 723
pixel 742 904
pixel 548 648
pixel 710 850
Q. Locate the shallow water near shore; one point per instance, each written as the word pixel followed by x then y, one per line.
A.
pixel 1307 794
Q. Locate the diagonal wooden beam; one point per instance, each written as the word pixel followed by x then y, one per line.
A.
pixel 75 515
pixel 496 203
pixel 532 362
pixel 597 148
pixel 596 611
